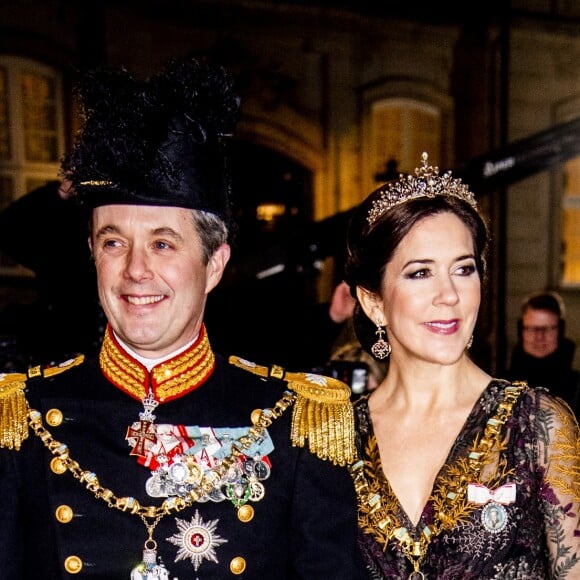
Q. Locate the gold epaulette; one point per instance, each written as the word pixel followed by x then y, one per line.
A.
pixel 13 410
pixel 13 403
pixel 322 413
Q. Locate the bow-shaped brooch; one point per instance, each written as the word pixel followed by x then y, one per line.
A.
pixel 494 516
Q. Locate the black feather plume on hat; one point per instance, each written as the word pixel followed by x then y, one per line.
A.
pixel 159 141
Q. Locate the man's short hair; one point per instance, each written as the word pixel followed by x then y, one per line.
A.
pixel 545 300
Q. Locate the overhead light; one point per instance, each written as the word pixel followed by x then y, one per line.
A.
pixel 269 212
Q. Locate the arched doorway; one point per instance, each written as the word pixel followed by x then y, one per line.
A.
pixel 259 307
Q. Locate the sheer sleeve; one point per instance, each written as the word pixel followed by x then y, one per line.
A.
pixel 558 457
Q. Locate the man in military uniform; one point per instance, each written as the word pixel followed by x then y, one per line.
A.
pixel 160 458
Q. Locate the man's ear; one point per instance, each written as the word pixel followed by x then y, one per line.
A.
pixel 216 267
pixel 372 305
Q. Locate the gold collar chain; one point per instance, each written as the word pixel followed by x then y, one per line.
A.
pixel 449 498
pixel 152 515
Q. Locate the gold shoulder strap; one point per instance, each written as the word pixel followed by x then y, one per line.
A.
pixel 57 369
pixel 13 403
pixel 322 412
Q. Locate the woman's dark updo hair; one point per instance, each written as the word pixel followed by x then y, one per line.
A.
pixel 370 247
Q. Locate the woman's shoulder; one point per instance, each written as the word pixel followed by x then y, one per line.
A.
pixel 549 412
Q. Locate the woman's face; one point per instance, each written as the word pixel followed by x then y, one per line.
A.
pixel 431 291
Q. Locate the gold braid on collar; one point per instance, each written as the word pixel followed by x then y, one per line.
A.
pixel 322 413
pixel 169 380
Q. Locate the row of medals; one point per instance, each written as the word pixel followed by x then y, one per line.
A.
pixel 241 483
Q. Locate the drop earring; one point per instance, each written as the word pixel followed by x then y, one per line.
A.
pixel 381 349
pixel 469 343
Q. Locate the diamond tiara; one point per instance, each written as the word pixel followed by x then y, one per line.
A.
pixel 425 183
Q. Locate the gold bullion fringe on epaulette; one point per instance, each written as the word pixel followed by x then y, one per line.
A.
pixel 13 403
pixel 322 413
pixel 324 416
pixel 13 411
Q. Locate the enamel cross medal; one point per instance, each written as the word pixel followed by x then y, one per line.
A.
pixel 143 430
pixel 138 435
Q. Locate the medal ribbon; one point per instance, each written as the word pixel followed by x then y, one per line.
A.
pixel 480 494
pixel 208 444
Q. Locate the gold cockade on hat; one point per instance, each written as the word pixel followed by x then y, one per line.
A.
pixel 425 183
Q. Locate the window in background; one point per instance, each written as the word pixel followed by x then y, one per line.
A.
pixel 401 130
pixel 571 223
pixel 31 130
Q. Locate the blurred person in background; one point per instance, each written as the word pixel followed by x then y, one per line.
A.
pixel 345 357
pixel 544 355
pixel 46 232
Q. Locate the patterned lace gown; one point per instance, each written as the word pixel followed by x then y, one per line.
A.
pixel 538 534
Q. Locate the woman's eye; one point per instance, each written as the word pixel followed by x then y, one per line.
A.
pixel 466 270
pixel 423 273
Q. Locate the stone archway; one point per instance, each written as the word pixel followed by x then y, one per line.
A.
pixel 270 284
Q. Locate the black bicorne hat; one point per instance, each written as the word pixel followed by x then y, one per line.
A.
pixel 159 141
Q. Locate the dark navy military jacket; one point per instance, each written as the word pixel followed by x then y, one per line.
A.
pixel 52 527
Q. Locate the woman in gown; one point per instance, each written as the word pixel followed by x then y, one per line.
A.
pixel 461 476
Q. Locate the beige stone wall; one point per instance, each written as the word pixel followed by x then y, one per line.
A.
pixel 544 91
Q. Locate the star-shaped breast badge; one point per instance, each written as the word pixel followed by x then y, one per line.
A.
pixel 196 540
